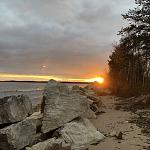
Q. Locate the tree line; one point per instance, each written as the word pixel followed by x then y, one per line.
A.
pixel 129 63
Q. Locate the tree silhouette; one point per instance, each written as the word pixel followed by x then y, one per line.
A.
pixel 130 62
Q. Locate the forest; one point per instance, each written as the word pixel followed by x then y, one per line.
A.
pixel 129 63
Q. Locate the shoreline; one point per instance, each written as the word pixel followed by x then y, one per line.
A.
pixel 110 116
pixel 69 82
pixel 114 121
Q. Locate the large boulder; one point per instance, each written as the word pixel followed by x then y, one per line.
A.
pixel 61 106
pixel 50 144
pixel 19 135
pixel 14 109
pixel 80 133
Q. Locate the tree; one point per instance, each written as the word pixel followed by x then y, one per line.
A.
pixel 139 33
pixel 129 63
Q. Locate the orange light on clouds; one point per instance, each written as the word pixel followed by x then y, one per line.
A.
pixel 27 77
pixel 24 77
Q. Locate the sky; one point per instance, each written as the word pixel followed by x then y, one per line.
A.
pixel 63 39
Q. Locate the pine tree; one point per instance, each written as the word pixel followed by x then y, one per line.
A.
pixel 130 62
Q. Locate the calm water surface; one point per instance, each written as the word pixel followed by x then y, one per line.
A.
pixel 33 90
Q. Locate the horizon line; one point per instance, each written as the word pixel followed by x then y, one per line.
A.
pixel 44 81
pixel 41 78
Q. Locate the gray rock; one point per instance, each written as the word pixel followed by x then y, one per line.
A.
pixel 96 106
pixel 93 86
pixel 80 133
pixel 50 144
pixel 36 139
pixel 14 109
pixel 61 106
pixel 77 89
pixel 56 87
pixel 19 135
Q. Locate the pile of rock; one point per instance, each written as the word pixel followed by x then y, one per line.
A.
pixel 61 124
pixel 90 92
pixel 98 89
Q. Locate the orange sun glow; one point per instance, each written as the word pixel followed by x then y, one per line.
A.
pixel 98 79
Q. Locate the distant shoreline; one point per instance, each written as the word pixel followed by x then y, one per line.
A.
pixel 46 82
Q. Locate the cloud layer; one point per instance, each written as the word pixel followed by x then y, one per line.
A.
pixel 72 38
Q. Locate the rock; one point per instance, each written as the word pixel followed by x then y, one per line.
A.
pixel 94 107
pixel 93 86
pixel 61 106
pixel 14 109
pixel 97 89
pixel 77 89
pixel 36 139
pixel 56 87
pixel 19 135
pixel 113 134
pixel 80 133
pixel 37 108
pixel 50 144
pixel 89 92
pixel 100 112
pixel 119 136
pixel 96 104
pixel 96 100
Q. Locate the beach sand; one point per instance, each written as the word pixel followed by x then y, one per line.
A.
pixel 118 121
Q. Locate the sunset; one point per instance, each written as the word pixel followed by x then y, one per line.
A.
pixel 74 74
pixel 61 39
pixel 97 79
pixel 8 77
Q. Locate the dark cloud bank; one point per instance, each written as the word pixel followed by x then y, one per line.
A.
pixel 73 38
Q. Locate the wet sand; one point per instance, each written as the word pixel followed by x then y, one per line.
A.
pixel 118 121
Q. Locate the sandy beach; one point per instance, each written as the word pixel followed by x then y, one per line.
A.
pixel 118 121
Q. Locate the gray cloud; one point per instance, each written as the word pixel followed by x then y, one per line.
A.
pixel 73 38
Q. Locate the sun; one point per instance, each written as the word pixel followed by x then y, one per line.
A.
pixel 97 79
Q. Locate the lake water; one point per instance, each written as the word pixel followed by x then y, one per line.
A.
pixel 33 90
